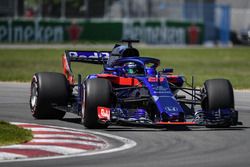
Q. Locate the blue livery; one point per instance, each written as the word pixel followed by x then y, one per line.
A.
pixel 131 90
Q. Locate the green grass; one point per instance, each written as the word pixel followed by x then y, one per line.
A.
pixel 12 134
pixel 229 63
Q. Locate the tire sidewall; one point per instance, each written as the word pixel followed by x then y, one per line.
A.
pixel 97 92
pixel 218 94
pixel 45 82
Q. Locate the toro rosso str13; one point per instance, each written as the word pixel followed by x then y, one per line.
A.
pixel 130 90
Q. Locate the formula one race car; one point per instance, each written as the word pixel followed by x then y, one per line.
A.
pixel 130 91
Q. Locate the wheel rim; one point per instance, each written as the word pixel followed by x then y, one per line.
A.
pixel 83 104
pixel 34 95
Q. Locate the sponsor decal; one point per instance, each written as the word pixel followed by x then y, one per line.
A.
pixel 193 34
pixel 155 34
pixel 148 31
pixel 155 79
pixel 31 31
pixel 103 113
pixel 74 31
pixel 171 109
pixel 89 54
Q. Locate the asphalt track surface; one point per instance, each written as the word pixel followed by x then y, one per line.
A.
pixel 198 146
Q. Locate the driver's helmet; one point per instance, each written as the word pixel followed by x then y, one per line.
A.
pixel 132 68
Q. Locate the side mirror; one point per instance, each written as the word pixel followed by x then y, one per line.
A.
pixel 109 69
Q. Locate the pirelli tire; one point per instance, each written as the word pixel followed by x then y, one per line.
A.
pixel 48 89
pixel 218 94
pixel 97 92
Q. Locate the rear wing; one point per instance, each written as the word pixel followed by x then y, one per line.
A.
pixel 93 57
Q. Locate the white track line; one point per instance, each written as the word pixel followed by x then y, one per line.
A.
pixel 64 136
pixel 127 144
pixel 20 123
pixel 48 130
pixel 55 149
pixel 67 141
pixel 52 130
pixel 6 156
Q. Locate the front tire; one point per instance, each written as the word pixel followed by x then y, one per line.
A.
pixel 218 95
pixel 98 92
pixel 48 89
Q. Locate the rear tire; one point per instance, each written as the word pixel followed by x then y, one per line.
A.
pixel 98 92
pixel 47 90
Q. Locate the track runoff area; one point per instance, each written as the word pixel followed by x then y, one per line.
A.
pixel 53 142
